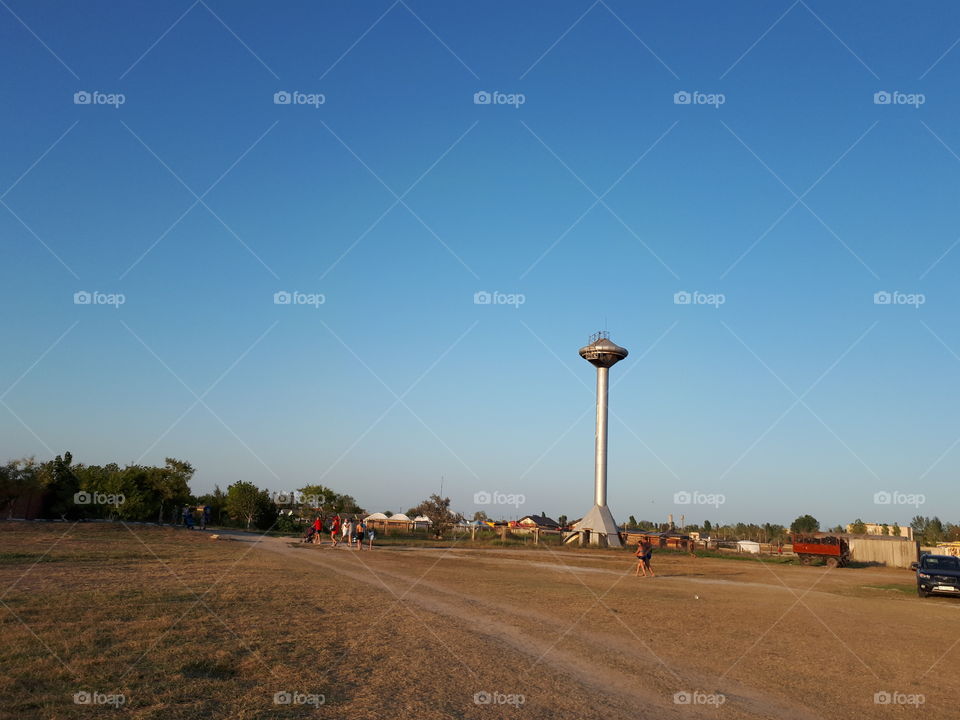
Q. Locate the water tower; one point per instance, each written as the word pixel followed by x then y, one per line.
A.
pixel 603 354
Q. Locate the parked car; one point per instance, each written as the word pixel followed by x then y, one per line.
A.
pixel 937 574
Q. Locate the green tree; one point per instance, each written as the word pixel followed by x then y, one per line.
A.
pixel 244 502
pixel 707 527
pixel 438 510
pixel 267 513
pixel 934 532
pixel 323 499
pixel 805 524
pixel 17 479
pixel 858 527
pixel 562 521
pixel 631 522
pixel 480 516
pixel 61 487
pixel 168 486
pixel 895 530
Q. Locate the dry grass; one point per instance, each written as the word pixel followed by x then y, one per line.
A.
pixel 186 627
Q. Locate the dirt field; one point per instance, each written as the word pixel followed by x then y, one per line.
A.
pixel 182 626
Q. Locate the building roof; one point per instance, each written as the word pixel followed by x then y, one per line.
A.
pixel 540 520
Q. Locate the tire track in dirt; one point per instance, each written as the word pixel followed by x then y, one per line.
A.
pixel 485 617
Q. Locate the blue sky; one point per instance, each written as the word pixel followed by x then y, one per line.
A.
pixel 795 196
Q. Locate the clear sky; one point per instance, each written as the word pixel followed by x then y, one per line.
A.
pixel 786 188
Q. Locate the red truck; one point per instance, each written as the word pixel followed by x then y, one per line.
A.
pixel 834 550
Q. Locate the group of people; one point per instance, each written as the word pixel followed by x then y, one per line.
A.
pixel 188 520
pixel 644 553
pixel 350 532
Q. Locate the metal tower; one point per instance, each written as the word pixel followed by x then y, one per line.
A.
pixel 603 354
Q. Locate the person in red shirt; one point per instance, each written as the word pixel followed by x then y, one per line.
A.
pixel 313 531
pixel 335 530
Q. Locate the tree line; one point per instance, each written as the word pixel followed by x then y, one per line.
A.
pixel 61 489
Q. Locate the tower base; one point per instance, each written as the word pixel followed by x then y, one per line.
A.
pixel 601 525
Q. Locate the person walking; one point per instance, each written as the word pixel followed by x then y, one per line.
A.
pixel 335 530
pixel 644 553
pixel 641 551
pixel 358 534
pixel 348 532
pixel 371 533
pixel 648 553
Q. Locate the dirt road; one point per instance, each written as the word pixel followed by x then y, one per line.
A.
pixel 571 632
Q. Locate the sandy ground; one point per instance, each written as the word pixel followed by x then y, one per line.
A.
pixel 189 628
pixel 577 631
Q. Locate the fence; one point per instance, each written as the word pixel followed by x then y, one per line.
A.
pixel 889 551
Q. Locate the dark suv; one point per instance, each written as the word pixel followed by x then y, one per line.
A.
pixel 938 574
